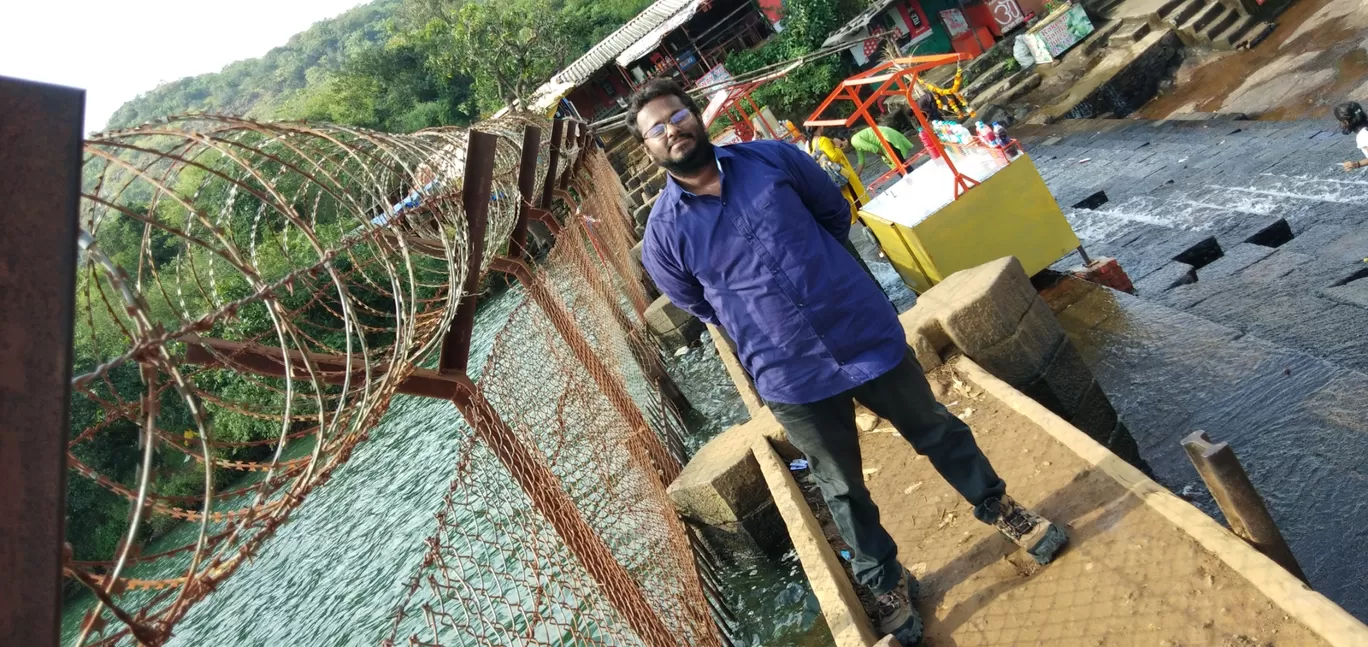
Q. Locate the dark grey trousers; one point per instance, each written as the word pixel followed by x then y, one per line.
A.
pixel 825 431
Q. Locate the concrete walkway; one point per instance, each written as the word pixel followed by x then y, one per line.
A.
pixel 1130 576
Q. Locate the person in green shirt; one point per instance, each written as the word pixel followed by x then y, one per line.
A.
pixel 866 141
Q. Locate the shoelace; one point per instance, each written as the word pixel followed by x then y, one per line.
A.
pixel 1018 521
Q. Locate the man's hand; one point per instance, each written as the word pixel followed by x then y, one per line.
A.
pixel 1350 166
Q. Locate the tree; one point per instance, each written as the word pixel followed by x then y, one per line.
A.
pixel 509 47
pixel 807 23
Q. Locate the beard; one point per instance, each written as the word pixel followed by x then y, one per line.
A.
pixel 692 161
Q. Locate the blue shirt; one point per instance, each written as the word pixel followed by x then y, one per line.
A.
pixel 765 262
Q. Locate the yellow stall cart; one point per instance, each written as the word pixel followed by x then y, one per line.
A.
pixel 967 205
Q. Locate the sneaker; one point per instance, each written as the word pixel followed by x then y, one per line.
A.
pixel 1027 529
pixel 894 614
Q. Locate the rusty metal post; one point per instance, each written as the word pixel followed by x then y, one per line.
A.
pixel 666 466
pixel 527 183
pixel 1239 501
pixel 572 137
pixel 549 183
pixel 475 202
pixel 40 184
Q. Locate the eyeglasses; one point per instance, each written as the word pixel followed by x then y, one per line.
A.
pixel 677 119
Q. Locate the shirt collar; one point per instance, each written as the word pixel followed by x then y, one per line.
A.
pixel 719 153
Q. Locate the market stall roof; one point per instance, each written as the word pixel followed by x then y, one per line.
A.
pixel 857 23
pixel 652 38
pixel 632 33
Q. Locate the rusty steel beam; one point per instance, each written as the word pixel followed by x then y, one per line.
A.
pixel 475 200
pixel 40 184
pixel 1244 509
pixel 572 137
pixel 544 217
pixel 549 183
pixel 260 359
pixel 527 183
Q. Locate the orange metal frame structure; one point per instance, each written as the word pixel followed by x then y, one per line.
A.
pixel 894 78
pixel 735 95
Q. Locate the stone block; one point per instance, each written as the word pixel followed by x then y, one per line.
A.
pixel 1235 259
pixel 925 335
pixel 1067 378
pixel 1278 264
pixel 1022 357
pixel 722 483
pixel 1091 310
pixel 1354 293
pixel 636 257
pixel 1066 292
pixel 983 306
pixel 1095 415
pixel 760 531
pixel 674 327
pixel 642 214
pixel 1170 276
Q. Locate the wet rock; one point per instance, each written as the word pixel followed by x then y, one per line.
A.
pixel 1171 275
pixel 1235 259
pixel 672 326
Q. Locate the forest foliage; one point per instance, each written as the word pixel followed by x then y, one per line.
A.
pixel 398 65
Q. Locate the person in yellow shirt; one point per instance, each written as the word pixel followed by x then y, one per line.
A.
pixel 832 146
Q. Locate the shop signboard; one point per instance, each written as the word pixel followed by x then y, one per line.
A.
pixel 1007 14
pixel 1058 32
pixel 714 76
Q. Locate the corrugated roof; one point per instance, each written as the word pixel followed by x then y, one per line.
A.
pixel 645 44
pixel 617 42
pixel 857 23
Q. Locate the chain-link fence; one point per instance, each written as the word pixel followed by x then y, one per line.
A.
pixel 252 295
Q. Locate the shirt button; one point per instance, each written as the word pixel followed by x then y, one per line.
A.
pixel 800 305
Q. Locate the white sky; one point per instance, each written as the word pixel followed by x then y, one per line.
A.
pixel 118 49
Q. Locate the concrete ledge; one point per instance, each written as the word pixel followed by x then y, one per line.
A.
pixel 841 607
pixel 1312 609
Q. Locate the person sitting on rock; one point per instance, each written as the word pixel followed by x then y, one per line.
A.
pixel 1353 121
pixel 751 238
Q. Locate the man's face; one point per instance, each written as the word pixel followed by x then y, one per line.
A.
pixel 673 135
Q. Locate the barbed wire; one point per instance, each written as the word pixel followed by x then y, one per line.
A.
pixel 252 295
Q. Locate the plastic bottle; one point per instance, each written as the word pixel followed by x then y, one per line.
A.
pixel 986 135
pixel 1001 133
pixel 928 143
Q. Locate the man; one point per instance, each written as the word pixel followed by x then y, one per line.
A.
pixel 866 141
pixel 750 238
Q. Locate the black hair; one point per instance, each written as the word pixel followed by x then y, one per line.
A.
pixel 1351 117
pixel 655 89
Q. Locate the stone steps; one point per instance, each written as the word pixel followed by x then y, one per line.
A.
pixel 1210 22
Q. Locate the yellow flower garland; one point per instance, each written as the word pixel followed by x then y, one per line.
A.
pixel 949 99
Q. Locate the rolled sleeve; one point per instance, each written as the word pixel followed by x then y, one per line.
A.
pixel 679 285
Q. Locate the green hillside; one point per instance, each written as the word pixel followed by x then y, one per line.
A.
pixel 397 65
